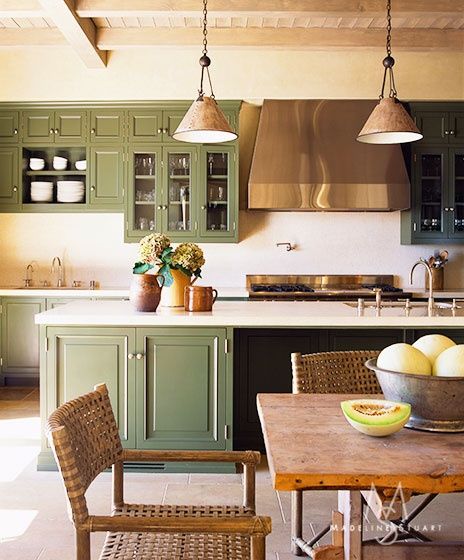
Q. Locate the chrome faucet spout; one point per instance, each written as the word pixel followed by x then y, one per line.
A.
pixel 60 281
pixel 424 263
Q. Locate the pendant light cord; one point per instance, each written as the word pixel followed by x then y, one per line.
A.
pixel 205 61
pixel 388 61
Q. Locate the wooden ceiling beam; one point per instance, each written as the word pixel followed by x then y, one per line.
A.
pixel 20 9
pixel 80 33
pixel 268 8
pixel 299 38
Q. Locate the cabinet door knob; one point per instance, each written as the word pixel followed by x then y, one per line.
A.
pixel 451 132
pixel 15 131
pixel 56 131
pixel 92 131
pixel 165 130
pixel 92 188
pixel 160 131
pixel 446 209
pixel 130 356
pixel 451 209
pixel 159 207
pixel 139 356
pixel 203 207
pixel 446 132
pixel 15 189
pixel 51 131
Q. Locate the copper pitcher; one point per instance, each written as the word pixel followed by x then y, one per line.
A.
pixel 199 298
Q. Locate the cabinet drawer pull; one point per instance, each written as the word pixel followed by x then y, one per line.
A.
pixel 130 356
pixel 15 131
pixel 139 356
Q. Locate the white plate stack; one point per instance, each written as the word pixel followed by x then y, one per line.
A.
pixel 70 191
pixel 41 191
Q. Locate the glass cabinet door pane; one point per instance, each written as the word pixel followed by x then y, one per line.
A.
pixel 217 191
pixel 431 192
pixel 179 191
pixel 145 170
pixel 458 202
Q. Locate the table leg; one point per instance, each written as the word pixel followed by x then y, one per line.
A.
pixel 350 505
pixel 296 520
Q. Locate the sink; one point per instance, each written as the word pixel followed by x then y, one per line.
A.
pixel 402 304
pixel 61 288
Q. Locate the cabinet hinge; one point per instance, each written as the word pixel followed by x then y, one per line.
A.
pixel 227 431
pixel 162 163
pixel 415 226
pixel 226 346
pixel 196 226
pixel 46 343
pixel 1 362
pixel 123 192
pixel 233 226
pixel 415 157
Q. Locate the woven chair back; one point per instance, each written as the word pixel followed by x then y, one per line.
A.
pixel 85 440
pixel 334 372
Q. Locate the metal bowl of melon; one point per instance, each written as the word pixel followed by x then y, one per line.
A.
pixel 437 400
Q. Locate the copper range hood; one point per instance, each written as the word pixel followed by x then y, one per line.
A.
pixel 306 158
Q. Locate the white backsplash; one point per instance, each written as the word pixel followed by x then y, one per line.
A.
pixel 92 248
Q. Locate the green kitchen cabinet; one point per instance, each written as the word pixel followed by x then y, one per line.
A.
pixel 9 177
pixel 144 198
pixel 65 126
pixel 146 125
pixel 9 127
pixel 106 177
pixel 107 125
pixel 181 391
pixel 20 339
pixel 78 359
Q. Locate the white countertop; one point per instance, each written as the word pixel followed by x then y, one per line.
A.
pixel 246 314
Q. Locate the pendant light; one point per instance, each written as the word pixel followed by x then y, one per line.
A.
pixel 389 122
pixel 204 122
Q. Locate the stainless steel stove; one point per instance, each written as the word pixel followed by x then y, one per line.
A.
pixel 318 287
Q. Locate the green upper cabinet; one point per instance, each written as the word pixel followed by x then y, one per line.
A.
pixel 181 389
pixel 9 176
pixel 107 125
pixel 456 127
pixel 434 126
pixel 20 336
pixel 145 126
pixel 70 126
pixel 78 359
pixel 9 127
pixel 218 194
pixel 38 126
pixel 106 177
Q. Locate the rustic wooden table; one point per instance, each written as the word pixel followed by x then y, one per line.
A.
pixel 310 446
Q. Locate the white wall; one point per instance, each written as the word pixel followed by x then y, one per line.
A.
pixel 92 245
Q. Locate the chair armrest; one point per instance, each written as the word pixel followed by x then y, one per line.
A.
pixel 147 455
pixel 258 525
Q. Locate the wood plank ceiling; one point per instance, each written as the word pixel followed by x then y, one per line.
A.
pixel 94 26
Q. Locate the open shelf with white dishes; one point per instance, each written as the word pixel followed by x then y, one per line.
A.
pixel 54 175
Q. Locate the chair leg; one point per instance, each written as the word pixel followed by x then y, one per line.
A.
pixel 118 484
pixel 258 547
pixel 297 520
pixel 249 492
pixel 82 545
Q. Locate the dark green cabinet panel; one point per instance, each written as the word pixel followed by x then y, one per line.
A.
pixel 70 126
pixel 434 126
pixel 181 389
pixel 9 191
pixel 39 126
pixel 106 125
pixel 20 337
pixel 9 127
pixel 364 339
pixel 106 177
pixel 456 132
pixel 145 126
pixel 78 359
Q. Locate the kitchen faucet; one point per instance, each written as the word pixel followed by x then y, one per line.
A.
pixel 59 283
pixel 423 262
pixel 28 279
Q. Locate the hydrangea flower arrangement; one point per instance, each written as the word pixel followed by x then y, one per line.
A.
pixel 156 250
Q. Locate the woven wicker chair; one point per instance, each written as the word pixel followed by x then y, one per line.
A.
pixel 85 441
pixel 328 372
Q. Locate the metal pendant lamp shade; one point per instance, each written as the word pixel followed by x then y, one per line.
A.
pixel 204 122
pixel 389 122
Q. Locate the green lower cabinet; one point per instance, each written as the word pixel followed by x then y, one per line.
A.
pixel 80 358
pixel 20 339
pixel 181 389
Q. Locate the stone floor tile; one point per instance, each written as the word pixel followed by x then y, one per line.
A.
pixel 16 551
pixel 207 478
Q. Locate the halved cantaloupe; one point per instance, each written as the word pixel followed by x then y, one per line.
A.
pixel 376 417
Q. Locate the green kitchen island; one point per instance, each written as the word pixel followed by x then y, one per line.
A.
pixel 171 373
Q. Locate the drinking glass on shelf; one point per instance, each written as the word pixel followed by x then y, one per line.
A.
pixel 172 225
pixel 184 194
pixel 220 194
pixel 435 224
pixel 223 227
pixel 138 195
pixel 143 223
pixel 210 163
pixel 213 226
pixel 172 193
pixel 211 194
pixel 150 165
pixel 185 165
pixel 151 225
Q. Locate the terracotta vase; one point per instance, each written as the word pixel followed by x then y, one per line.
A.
pixel 174 295
pixel 145 291
pixel 199 298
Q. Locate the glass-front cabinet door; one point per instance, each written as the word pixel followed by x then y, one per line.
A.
pixel 218 197
pixel 456 199
pixel 145 195
pixel 431 171
pixel 181 173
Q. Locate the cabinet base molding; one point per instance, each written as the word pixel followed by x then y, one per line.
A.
pixel 20 380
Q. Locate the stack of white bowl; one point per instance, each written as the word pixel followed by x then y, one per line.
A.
pixel 37 164
pixel 70 191
pixel 41 191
